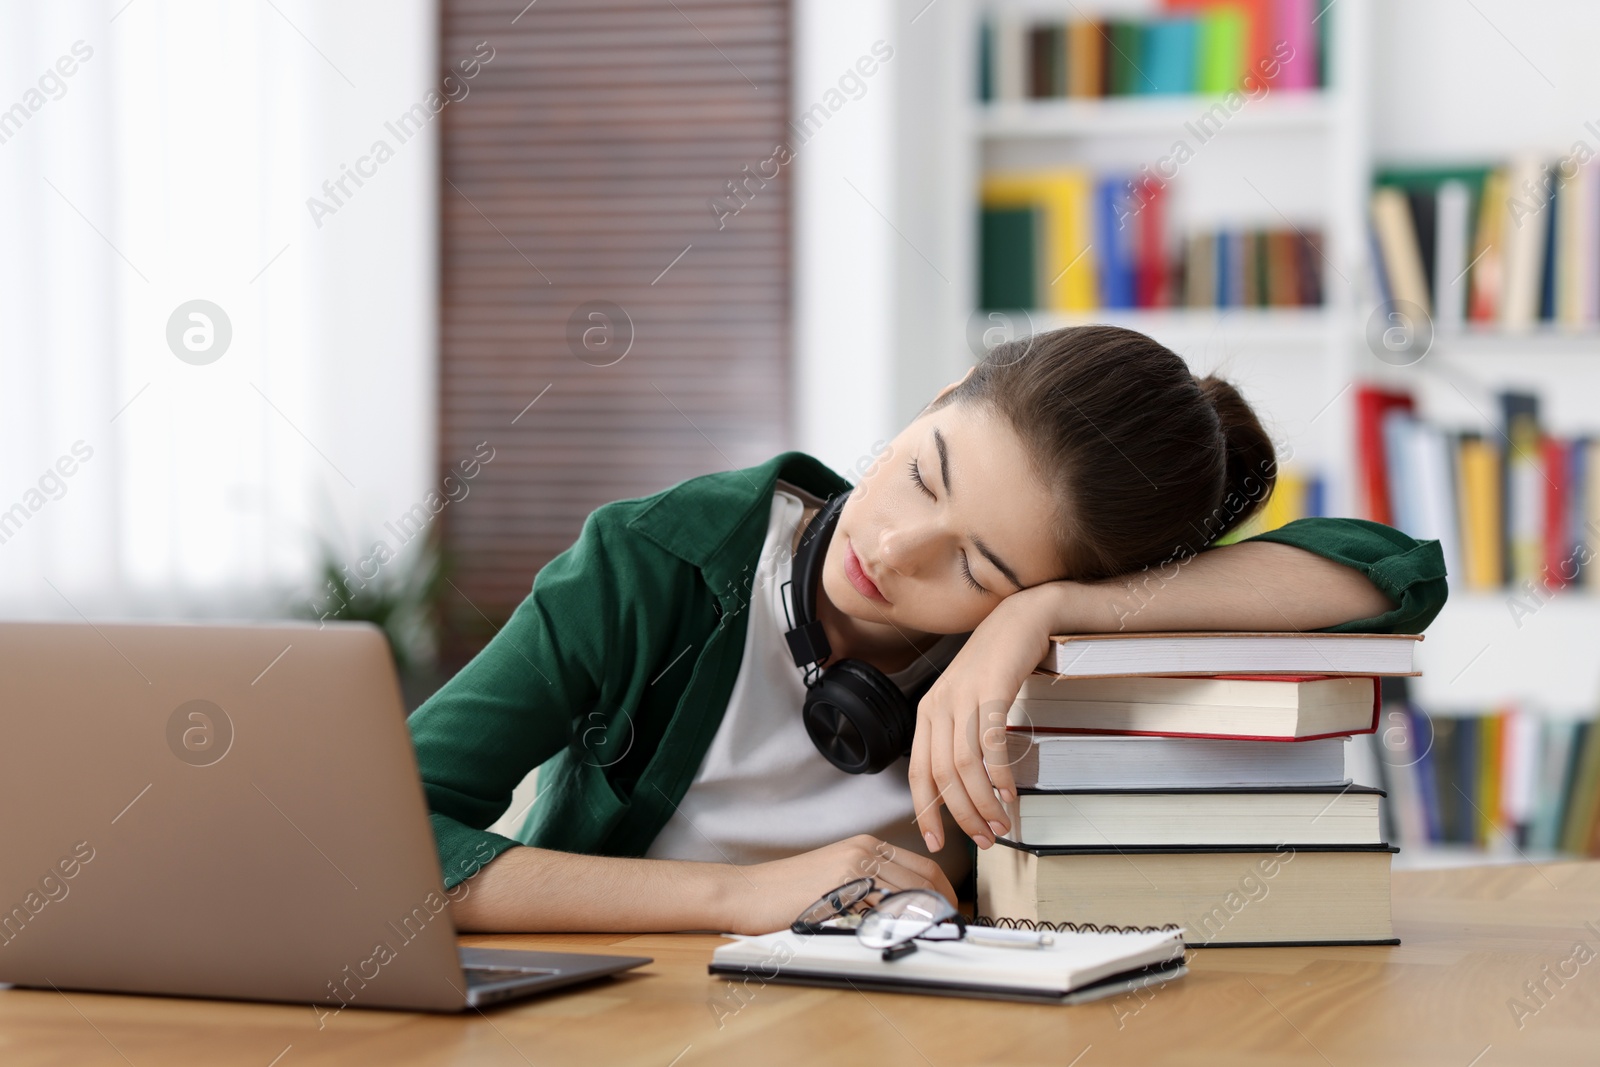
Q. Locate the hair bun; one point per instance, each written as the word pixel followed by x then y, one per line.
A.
pixel 1252 460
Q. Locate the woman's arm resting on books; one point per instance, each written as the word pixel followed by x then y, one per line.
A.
pixel 958 753
pixel 531 890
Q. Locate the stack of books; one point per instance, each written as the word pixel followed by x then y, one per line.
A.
pixel 1198 779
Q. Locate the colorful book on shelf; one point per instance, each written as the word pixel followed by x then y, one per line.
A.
pixel 1007 251
pixel 1168 55
pixel 1241 706
pixel 1116 242
pixel 1478 490
pixel 1522 486
pixel 1293 25
pixel 1086 59
pixel 1398 241
pixel 1066 260
pixel 1557 553
pixel 1245 895
pixel 1372 403
pixel 1524 229
pixel 1583 809
pixel 1124 58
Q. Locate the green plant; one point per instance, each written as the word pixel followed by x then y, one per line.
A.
pixel 397 592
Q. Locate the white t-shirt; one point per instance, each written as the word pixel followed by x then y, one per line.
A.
pixel 763 791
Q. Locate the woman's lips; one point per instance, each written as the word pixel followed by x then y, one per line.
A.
pixel 858 577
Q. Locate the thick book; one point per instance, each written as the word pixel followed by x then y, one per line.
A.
pixel 1228 816
pixel 1007 257
pixel 1254 707
pixel 1130 761
pixel 1075 967
pixel 1228 652
pixel 1284 894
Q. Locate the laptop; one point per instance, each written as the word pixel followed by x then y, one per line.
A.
pixel 230 811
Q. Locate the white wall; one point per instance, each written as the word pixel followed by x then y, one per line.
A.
pixel 177 165
pixel 1458 81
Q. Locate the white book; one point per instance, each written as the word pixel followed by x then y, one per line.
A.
pixel 1524 248
pixel 1433 484
pixel 1010 66
pixel 1453 231
pixel 1089 964
pixel 1228 652
pixel 1134 761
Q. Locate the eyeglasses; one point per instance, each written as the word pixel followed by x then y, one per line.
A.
pixel 900 919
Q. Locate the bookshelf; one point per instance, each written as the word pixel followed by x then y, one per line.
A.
pixel 1302 158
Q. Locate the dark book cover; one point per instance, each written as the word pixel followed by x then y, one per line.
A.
pixel 1443 760
pixel 1006 257
pixel 1569 812
pixel 1425 222
pixel 1578 510
pixel 986 60
pixel 1519 425
pixel 1468 742
pixel 1308 243
pixel 1043 59
pixel 1125 41
pixel 1423 748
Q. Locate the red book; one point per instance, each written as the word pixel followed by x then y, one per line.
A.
pixel 1151 267
pixel 1372 464
pixel 1558 557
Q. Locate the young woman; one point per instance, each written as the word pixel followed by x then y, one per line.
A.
pixel 1070 482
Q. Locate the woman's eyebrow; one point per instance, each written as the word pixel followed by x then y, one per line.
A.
pixel 977 542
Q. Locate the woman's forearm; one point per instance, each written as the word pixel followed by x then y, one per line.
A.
pixel 1255 585
pixel 534 890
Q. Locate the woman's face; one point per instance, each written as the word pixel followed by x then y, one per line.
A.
pixel 978 509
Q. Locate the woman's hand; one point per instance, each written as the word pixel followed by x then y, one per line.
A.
pixel 769 896
pixel 958 753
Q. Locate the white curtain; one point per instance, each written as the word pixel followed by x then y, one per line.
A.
pixel 154 153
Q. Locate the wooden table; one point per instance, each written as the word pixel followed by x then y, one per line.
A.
pixel 1472 938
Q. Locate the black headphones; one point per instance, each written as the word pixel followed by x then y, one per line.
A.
pixel 859 719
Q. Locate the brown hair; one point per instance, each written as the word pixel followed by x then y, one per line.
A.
pixel 1147 461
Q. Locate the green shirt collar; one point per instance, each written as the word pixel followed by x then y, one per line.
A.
pixel 710 520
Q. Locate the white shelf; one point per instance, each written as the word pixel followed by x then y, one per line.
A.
pixel 1306 326
pixel 1477 655
pixel 1134 116
pixel 1437 857
pixel 1545 339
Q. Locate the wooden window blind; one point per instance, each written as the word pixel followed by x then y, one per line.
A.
pixel 580 174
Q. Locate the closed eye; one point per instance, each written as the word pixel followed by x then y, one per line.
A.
pixel 966 570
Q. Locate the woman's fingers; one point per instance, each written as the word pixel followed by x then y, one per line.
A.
pixel 907 870
pixel 924 793
pixel 953 791
pixel 996 753
pixel 974 771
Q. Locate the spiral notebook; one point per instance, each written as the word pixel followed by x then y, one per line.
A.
pixel 1083 964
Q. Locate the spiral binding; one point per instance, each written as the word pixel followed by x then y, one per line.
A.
pixel 1006 923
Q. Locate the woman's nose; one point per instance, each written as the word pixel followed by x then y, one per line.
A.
pixel 904 548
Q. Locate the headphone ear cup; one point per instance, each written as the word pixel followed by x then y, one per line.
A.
pixel 858 718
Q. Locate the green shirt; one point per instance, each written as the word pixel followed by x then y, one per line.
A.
pixel 612 676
